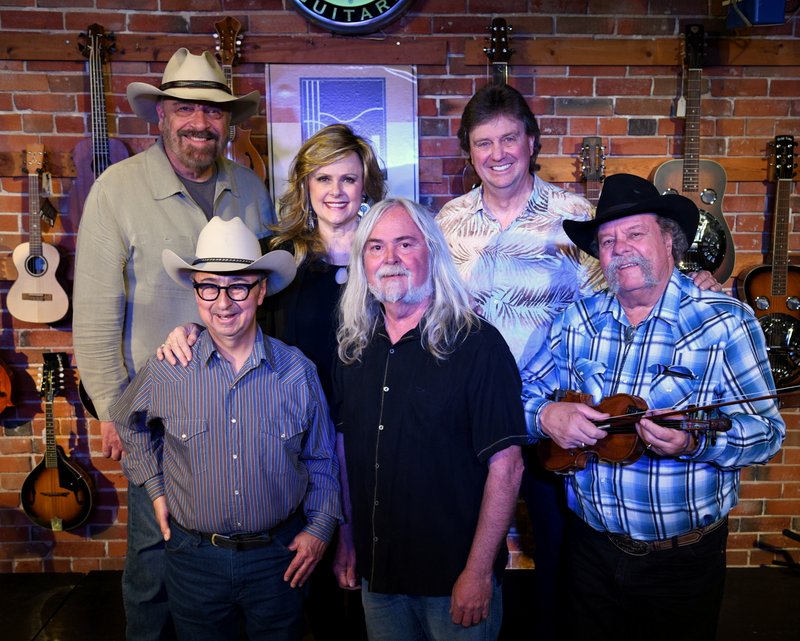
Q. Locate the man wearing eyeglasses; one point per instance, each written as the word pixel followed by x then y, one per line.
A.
pixel 244 483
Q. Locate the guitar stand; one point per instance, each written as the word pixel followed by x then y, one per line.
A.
pixel 787 559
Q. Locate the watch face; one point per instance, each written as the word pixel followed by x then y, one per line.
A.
pixel 351 16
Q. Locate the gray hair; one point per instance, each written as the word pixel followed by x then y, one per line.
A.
pixel 680 245
pixel 449 318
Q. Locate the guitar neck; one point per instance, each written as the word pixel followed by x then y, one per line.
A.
pixel 500 73
pixel 100 153
pixel 691 142
pixel 50 452
pixel 228 71
pixel 35 219
pixel 780 238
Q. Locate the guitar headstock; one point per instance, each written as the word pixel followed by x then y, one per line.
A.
pixel 499 49
pixel 51 381
pixel 695 46
pixel 96 43
pixel 783 163
pixel 593 156
pixel 33 162
pixel 229 40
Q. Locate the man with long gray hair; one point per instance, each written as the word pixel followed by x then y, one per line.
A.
pixel 428 410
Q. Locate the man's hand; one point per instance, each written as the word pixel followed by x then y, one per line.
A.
pixel 178 346
pixel 344 560
pixel 471 598
pixel 706 280
pixel 309 550
pixel 112 445
pixel 162 516
pixel 570 424
pixel 664 441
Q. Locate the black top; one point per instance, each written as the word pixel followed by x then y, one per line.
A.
pixel 418 435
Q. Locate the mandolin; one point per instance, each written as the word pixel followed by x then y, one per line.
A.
pixel 240 149
pixel 593 156
pixel 58 494
pixel 702 181
pixel 499 53
pixel 773 290
pixel 92 156
pixel 36 296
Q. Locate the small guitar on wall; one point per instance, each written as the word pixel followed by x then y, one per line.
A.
pixel 773 290
pixel 593 158
pixel 92 156
pixel 58 494
pixel 240 149
pixel 36 296
pixel 499 53
pixel 702 181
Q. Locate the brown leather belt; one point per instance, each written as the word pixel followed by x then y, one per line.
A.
pixel 247 541
pixel 635 547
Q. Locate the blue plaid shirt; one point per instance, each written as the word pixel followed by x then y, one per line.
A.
pixel 695 348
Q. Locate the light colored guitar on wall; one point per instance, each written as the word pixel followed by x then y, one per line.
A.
pixel 36 296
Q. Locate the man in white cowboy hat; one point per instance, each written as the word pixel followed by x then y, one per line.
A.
pixel 123 301
pixel 646 546
pixel 244 482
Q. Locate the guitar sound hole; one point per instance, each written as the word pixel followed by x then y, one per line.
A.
pixel 782 333
pixel 36 265
pixel 708 248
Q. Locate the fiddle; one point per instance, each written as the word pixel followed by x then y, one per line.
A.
pixel 622 445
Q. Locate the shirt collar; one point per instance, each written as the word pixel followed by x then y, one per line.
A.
pixel 262 350
pixel 165 181
pixel 665 309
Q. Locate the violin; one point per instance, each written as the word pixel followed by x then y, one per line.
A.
pixel 622 445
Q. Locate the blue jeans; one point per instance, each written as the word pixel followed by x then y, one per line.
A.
pixel 402 617
pixel 143 592
pixel 212 590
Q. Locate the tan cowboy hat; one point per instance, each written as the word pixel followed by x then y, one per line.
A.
pixel 195 78
pixel 227 247
pixel 627 195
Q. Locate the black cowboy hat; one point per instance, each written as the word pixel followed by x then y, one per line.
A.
pixel 626 195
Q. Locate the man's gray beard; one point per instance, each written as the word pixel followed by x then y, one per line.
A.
pixel 411 296
pixel 613 269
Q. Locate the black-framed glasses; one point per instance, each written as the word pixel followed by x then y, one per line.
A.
pixel 236 292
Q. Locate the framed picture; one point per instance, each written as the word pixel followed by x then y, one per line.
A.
pixel 378 102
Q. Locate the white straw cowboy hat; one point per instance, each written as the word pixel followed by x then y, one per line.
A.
pixel 195 78
pixel 227 247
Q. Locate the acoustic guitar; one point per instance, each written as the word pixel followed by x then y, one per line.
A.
pixel 92 156
pixel 593 157
pixel 58 494
pixel 702 181
pixel 240 149
pixel 499 53
pixel 773 290
pixel 36 296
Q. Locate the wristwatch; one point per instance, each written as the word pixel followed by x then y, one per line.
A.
pixel 351 17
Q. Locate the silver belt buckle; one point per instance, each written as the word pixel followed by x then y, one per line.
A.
pixel 629 545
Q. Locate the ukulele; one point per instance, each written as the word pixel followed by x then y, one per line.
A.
pixel 593 166
pixel 58 494
pixel 240 149
pixel 773 290
pixel 701 181
pixel 499 53
pixel 92 156
pixel 36 296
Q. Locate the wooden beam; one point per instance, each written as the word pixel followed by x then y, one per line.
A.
pixel 638 52
pixel 316 49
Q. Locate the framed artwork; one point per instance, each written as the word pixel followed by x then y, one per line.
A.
pixel 378 102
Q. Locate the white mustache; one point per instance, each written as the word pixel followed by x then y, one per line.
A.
pixel 392 270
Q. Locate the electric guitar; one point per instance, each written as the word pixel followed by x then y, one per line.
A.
pixel 499 53
pixel 92 156
pixel 240 149
pixel 702 181
pixel 58 494
pixel 36 296
pixel 593 166
pixel 773 290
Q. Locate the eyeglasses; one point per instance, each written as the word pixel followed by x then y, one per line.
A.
pixel 236 292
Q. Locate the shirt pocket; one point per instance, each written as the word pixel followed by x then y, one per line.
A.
pixel 191 440
pixel 589 377
pixel 290 433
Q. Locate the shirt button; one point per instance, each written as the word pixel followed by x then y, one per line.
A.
pixel 233 420
pixel 236 492
pixel 183 436
pixel 375 538
pixel 391 351
pixel 235 456
pixel 377 465
pixel 385 389
pixel 377 502
pixel 380 427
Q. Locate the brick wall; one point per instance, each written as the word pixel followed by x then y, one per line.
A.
pixel 578 84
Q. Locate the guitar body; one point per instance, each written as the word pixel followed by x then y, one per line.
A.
pixel 712 249
pixel 85 170
pixel 241 150
pixel 36 296
pixel 59 497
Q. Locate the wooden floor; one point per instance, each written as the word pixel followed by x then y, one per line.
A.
pixel 760 603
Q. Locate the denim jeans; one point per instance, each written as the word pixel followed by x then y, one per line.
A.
pixel 214 590
pixel 402 617
pixel 143 592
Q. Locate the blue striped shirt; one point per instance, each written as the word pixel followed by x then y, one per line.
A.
pixel 716 347
pixel 240 451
